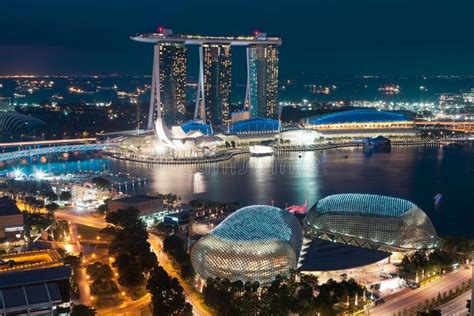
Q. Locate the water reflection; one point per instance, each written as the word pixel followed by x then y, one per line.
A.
pixel 413 173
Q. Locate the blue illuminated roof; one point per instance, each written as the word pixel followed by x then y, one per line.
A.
pixel 356 116
pixel 257 124
pixel 257 222
pixel 197 126
pixel 364 203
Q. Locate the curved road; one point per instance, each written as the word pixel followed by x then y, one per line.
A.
pixel 86 219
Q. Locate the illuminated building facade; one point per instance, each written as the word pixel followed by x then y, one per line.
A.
pixel 214 84
pixel 171 70
pixel 262 81
pixel 11 223
pixel 216 81
pixel 372 221
pixel 34 283
pixel 361 123
pixel 255 243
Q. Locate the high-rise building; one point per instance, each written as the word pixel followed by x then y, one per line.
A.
pixel 173 82
pixel 262 80
pixel 170 65
pixel 216 82
pixel 215 68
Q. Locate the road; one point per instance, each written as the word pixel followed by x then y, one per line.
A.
pixel 199 308
pixel 81 218
pixel 457 306
pixel 86 219
pixel 428 291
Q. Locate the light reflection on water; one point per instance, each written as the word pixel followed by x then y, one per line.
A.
pixel 413 173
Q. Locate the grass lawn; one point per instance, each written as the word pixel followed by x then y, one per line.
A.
pixel 87 232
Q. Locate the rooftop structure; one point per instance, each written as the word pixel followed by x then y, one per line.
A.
pixel 255 243
pixel 357 116
pixel 197 125
pixel 146 204
pixel 372 221
pixel 324 255
pixel 33 282
pixel 166 35
pixel 361 123
pixel 214 83
pixel 255 125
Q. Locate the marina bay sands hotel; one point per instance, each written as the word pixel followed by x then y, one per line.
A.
pixel 168 91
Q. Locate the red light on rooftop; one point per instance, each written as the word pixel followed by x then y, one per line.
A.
pixel 256 32
pixel 160 29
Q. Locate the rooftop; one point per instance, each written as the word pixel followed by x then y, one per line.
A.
pixel 324 255
pixel 357 116
pixel 364 203
pixel 166 35
pixel 30 260
pixel 258 222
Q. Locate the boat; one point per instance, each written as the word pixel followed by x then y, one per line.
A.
pixel 261 150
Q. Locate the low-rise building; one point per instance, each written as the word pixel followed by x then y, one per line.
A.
pixel 11 221
pixel 146 204
pixel 34 283
pixel 180 220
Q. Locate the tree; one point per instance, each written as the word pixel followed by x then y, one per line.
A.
pixel 167 294
pixel 130 246
pixel 51 207
pixel 102 209
pixel 51 196
pixel 101 183
pixel 99 270
pixel 65 196
pixel 123 217
pixel 129 274
pixel 82 310
pixel 174 246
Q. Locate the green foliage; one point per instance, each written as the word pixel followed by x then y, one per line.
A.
pixel 437 262
pixel 101 183
pixel 282 297
pixel 102 283
pixel 167 294
pixel 82 310
pixel 129 271
pixel 103 286
pixel 74 262
pixel 65 196
pixel 459 248
pixel 51 207
pixel 130 246
pixel 102 209
pixel 99 270
pixel 28 187
pixel 174 246
pixel 123 217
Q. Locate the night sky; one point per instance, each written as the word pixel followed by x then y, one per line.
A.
pixel 407 37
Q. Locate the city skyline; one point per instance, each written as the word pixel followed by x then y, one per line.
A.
pixel 336 38
pixel 214 86
pixel 236 158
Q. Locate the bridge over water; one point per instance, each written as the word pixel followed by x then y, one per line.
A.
pixel 30 149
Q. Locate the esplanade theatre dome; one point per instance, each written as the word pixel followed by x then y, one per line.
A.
pixel 372 221
pixel 256 243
